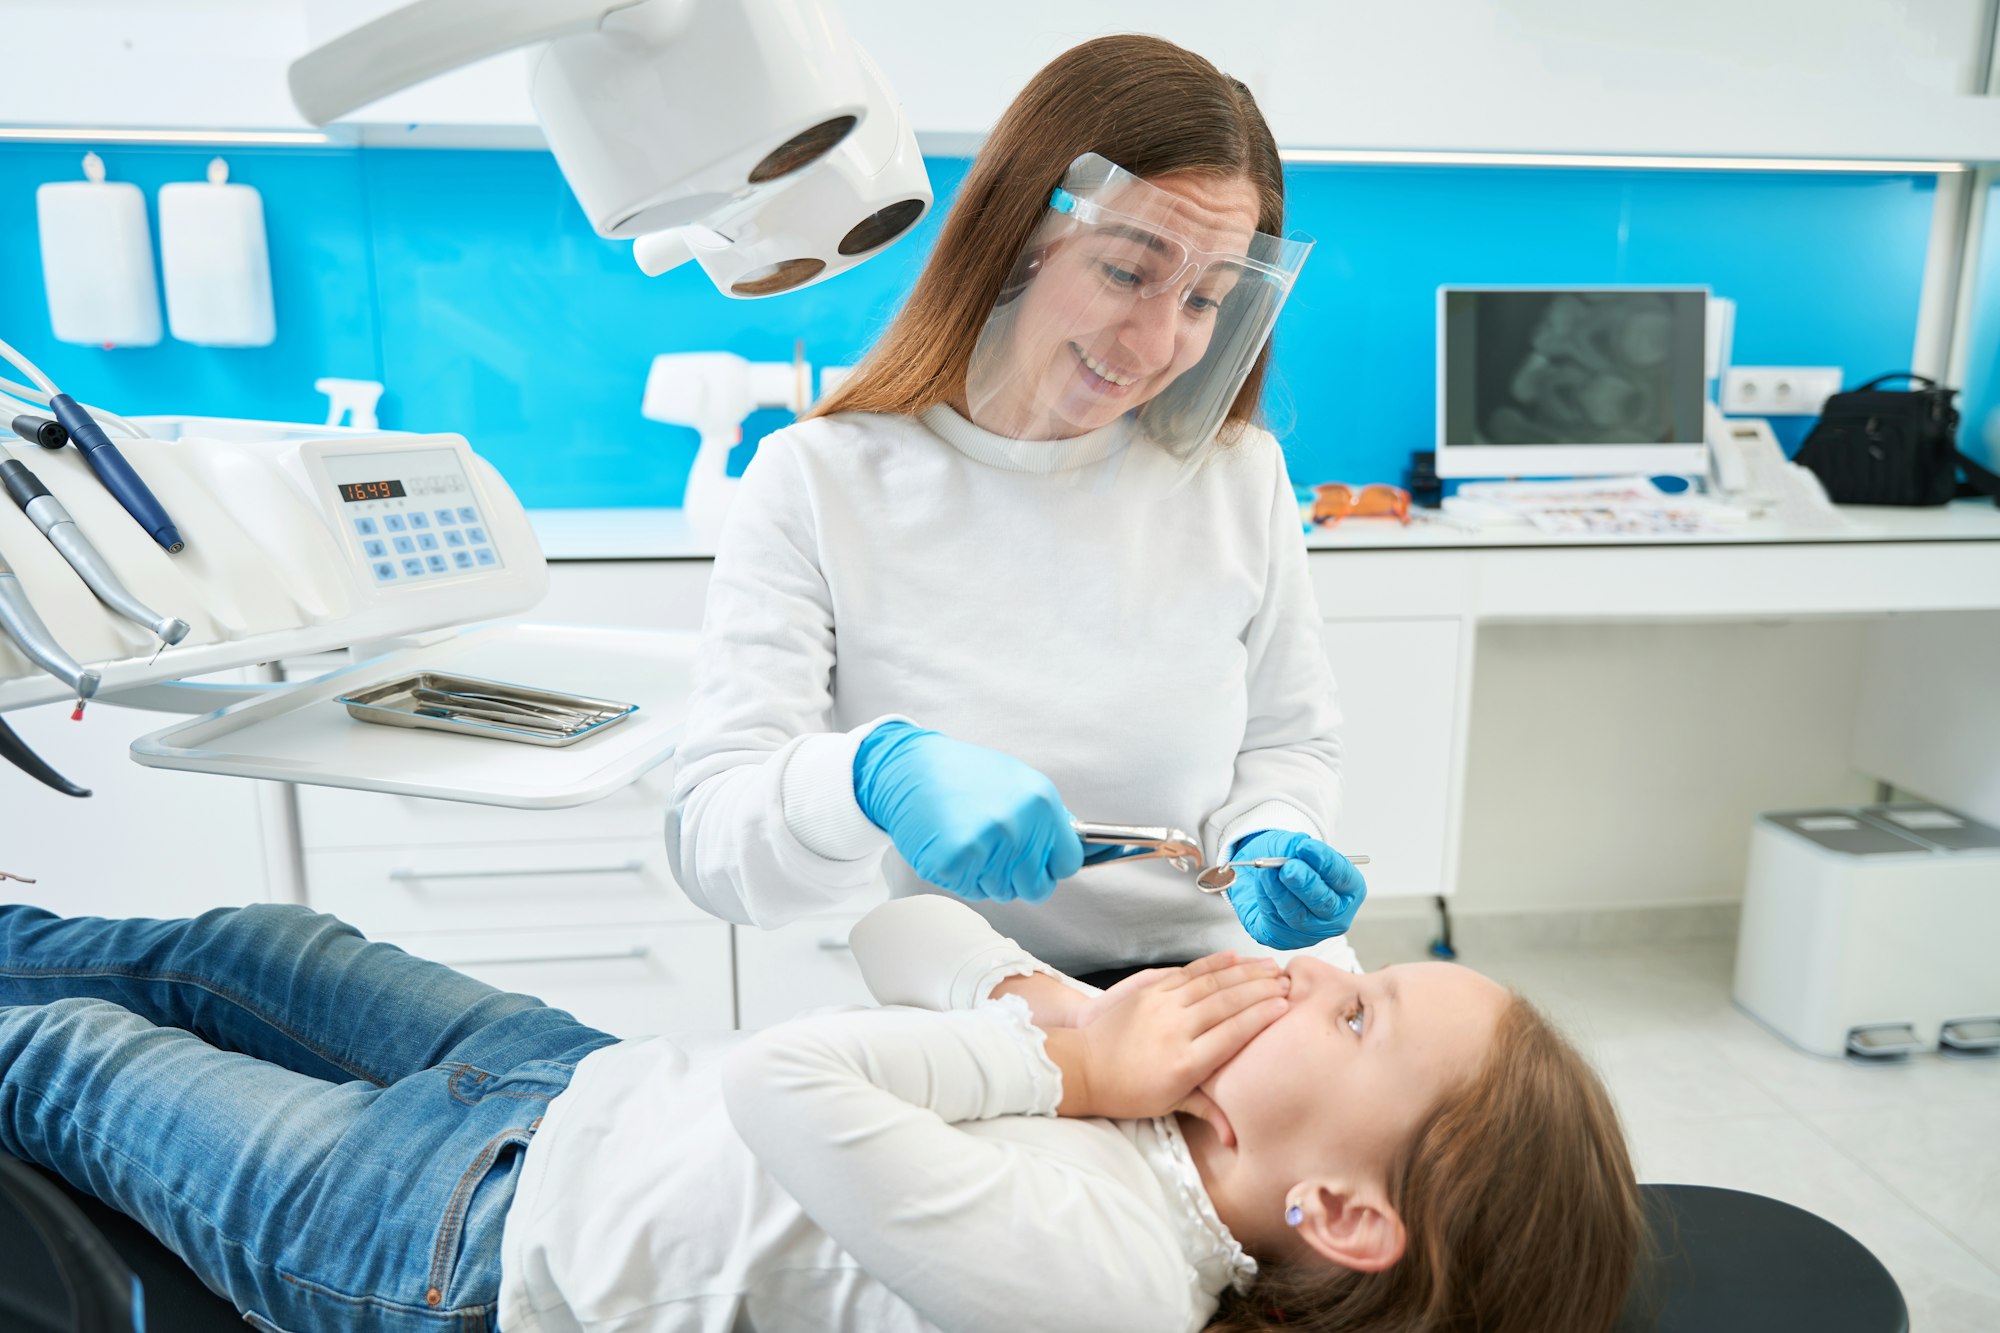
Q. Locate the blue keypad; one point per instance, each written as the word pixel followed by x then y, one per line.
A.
pixel 365 526
pixel 427 541
pixel 374 549
pixel 404 545
pixel 454 538
pixel 483 555
pixel 475 534
pixel 446 518
pixel 420 520
pixel 463 559
pixel 393 523
pixel 384 571
pixel 413 566
pixel 436 563
pixel 466 515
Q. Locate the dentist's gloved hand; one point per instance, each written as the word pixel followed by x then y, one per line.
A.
pixel 972 821
pixel 1311 897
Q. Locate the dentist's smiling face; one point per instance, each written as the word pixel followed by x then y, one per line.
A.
pixel 1087 346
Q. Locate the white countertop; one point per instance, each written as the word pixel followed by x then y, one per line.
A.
pixel 663 534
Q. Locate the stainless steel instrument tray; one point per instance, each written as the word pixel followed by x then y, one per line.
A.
pixel 392 703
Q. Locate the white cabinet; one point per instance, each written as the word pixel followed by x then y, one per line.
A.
pixel 805 965
pixel 1402 684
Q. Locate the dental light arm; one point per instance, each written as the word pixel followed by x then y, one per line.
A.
pixel 756 127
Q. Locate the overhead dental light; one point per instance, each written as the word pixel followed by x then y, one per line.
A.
pixel 754 132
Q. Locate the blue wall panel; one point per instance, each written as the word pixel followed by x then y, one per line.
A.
pixel 470 284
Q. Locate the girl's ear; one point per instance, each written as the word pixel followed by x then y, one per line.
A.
pixel 1353 1226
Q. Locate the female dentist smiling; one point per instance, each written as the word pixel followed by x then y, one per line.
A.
pixel 1034 559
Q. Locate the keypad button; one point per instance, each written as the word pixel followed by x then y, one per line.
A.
pixel 413 566
pixel 446 517
pixel 393 523
pixel 374 549
pixel 427 541
pixel 420 520
pixel 365 526
pixel 384 571
pixel 436 562
pixel 467 515
pixel 484 556
pixel 475 534
pixel 405 545
pixel 454 538
pixel 463 559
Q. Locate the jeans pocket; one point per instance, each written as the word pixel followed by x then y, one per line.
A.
pixel 465 1268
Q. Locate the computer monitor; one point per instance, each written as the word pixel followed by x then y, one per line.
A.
pixel 1571 381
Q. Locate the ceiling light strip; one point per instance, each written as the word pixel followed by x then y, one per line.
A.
pixel 16 133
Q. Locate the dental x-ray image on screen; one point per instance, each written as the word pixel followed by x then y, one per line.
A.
pixel 1572 368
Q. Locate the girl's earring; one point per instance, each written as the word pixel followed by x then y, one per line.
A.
pixel 1294 1215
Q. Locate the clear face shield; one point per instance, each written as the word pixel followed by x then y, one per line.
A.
pixel 1130 303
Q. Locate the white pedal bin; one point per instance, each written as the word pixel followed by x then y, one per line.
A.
pixel 1872 930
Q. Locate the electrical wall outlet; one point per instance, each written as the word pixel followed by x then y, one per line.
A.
pixel 1778 391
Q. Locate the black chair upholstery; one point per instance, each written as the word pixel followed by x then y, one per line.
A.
pixel 1731 1262
pixel 71 1264
pixel 1727 1262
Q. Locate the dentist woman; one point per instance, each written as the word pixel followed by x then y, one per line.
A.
pixel 1034 561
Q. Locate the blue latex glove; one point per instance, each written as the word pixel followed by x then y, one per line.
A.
pixel 972 821
pixel 1313 896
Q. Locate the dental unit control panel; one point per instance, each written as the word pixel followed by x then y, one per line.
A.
pixel 300 539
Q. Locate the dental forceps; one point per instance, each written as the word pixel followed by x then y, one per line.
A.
pixel 1137 842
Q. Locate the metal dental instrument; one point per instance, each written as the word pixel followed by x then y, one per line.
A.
pixel 1137 842
pixel 48 514
pixel 1221 877
pixel 472 702
pixel 18 618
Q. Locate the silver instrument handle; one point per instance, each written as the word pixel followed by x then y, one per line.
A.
pixel 68 538
pixel 404 875
pixel 18 618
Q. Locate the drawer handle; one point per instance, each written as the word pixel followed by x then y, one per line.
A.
pixel 834 944
pixel 611 956
pixel 405 876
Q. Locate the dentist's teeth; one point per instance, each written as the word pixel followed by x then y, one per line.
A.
pixel 1098 369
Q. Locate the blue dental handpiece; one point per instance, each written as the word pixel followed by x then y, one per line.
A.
pixel 116 474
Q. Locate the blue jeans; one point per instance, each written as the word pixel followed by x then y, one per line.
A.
pixel 327 1130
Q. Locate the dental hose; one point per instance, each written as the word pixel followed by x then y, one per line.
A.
pixel 16 752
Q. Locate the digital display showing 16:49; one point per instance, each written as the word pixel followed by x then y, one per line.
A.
pixel 352 491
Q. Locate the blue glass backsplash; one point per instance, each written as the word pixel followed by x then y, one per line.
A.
pixel 469 283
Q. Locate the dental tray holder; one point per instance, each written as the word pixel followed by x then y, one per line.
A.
pixel 399 702
pixel 304 733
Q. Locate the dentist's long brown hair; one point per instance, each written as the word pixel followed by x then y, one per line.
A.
pixel 1144 103
pixel 1518 1203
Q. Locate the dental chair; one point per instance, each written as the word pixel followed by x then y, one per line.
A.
pixel 1728 1262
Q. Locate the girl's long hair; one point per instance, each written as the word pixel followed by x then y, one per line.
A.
pixel 1519 1205
pixel 1144 103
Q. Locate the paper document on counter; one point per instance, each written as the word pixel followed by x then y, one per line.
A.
pixel 1630 506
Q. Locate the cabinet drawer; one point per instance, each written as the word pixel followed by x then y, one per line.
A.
pixel 630 981
pixel 801 966
pixel 397 890
pixel 337 817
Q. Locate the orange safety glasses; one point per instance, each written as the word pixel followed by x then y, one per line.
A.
pixel 1335 501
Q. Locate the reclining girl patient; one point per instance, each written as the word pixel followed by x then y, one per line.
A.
pixel 339 1136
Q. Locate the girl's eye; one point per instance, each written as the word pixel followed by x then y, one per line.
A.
pixel 1123 277
pixel 1204 305
pixel 1354 1023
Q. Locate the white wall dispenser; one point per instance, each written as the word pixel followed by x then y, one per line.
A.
pixel 216 262
pixel 97 260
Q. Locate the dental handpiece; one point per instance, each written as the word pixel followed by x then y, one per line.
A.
pixel 49 515
pixel 116 474
pixel 18 618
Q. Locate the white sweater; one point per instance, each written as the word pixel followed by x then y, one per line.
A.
pixel 865 1171
pixel 1154 650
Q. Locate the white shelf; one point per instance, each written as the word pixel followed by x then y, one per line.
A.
pixel 302 735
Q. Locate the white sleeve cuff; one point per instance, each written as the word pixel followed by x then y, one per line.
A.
pixel 1267 815
pixel 817 792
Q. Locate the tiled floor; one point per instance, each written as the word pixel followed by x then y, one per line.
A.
pixel 1904 1156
